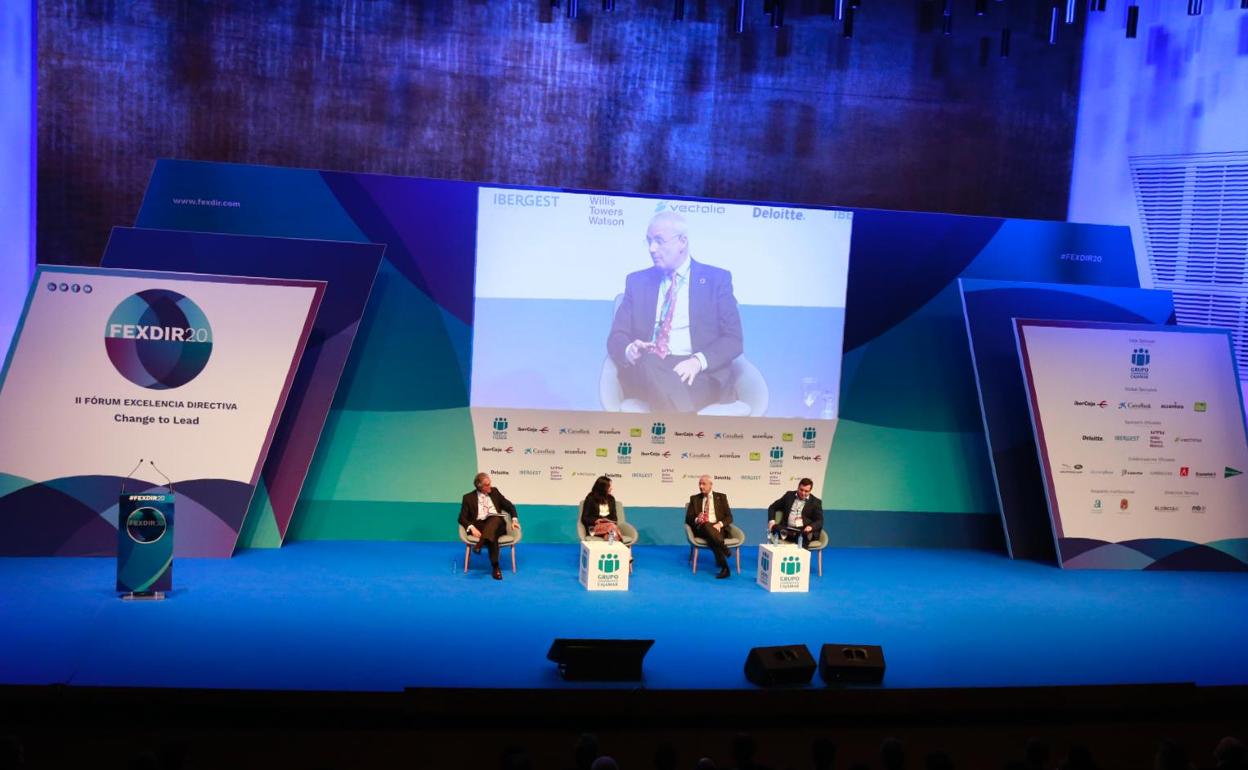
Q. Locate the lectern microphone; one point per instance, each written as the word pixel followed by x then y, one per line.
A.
pixel 128 475
pixel 168 481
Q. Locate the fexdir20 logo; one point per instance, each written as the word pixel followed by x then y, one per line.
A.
pixel 500 428
pixel 146 525
pixel 808 438
pixel 658 433
pixel 1140 358
pixel 158 339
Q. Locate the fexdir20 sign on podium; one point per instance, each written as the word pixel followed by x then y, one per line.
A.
pixel 112 365
pixel 145 543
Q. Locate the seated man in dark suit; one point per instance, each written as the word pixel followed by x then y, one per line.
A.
pixel 709 516
pixel 483 514
pixel 678 329
pixel 799 513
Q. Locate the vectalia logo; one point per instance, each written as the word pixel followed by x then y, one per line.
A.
pixel 1229 472
pixel 158 339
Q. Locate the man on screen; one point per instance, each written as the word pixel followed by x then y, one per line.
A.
pixel 797 515
pixel 677 329
pixel 710 518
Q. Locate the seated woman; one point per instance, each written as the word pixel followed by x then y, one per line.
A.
pixel 598 513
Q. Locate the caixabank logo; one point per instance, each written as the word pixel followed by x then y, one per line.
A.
pixel 146 525
pixel 158 339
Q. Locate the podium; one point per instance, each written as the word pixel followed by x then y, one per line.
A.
pixel 145 545
pixel 604 566
pixel 784 568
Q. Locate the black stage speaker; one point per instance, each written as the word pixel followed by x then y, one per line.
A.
pixel 851 663
pixel 786 664
pixel 599 660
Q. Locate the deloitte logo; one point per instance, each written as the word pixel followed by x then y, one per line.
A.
pixel 777 456
pixel 624 452
pixel 808 438
pixel 500 428
pixel 658 433
pixel 158 339
pixel 790 565
pixel 609 563
pixel 146 525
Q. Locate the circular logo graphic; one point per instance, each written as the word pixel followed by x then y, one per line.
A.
pixel 146 525
pixel 158 339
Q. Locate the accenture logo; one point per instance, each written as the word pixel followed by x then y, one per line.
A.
pixel 158 339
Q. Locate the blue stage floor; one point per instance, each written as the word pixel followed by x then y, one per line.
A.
pixel 384 616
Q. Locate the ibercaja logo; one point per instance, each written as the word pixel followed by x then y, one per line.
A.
pixel 158 339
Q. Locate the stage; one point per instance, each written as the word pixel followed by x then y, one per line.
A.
pixel 378 616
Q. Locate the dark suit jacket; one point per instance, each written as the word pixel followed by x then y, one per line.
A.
pixel 714 321
pixel 590 515
pixel 722 511
pixel 812 512
pixel 468 510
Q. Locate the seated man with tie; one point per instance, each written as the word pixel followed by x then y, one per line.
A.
pixel 677 329
pixel 798 515
pixel 709 516
pixel 483 514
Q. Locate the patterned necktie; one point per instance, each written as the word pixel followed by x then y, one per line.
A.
pixel 664 333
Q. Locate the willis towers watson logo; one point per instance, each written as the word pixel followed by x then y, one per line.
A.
pixel 158 339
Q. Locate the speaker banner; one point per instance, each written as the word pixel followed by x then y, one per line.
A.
pixel 113 366
pixel 1142 443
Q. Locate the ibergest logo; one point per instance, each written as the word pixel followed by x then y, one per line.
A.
pixel 623 452
pixel 1140 358
pixel 1084 402
pixel 500 428
pixel 1126 437
pixel 658 433
pixel 158 339
pixel 146 525
pixel 777 456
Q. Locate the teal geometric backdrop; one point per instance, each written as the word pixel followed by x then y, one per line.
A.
pixel 908 464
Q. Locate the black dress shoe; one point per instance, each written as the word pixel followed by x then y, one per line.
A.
pixel 498 574
pixel 476 547
pixel 723 573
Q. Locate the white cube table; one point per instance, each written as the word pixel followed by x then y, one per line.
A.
pixel 604 566
pixel 784 568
